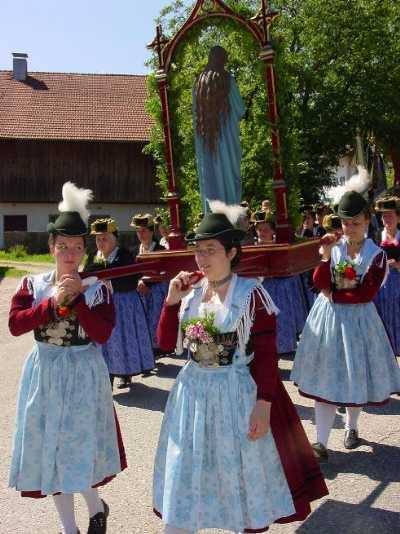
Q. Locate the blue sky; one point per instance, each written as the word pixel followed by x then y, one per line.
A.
pixel 99 36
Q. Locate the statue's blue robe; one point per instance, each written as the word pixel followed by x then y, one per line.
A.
pixel 219 172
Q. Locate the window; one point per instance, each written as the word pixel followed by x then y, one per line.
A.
pixel 15 223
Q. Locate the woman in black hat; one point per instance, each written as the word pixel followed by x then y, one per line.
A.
pixel 129 350
pixel 232 453
pixel 344 357
pixel 388 299
pixel 67 437
pixel 153 294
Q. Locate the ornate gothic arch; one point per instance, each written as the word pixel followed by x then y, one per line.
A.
pixel 259 27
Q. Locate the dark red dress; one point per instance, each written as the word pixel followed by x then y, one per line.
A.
pixel 97 323
pixel 302 470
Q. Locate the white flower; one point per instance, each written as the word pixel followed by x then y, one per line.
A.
pixel 56 332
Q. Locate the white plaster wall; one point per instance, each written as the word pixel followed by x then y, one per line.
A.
pixel 38 214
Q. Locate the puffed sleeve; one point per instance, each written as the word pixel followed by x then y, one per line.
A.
pixel 23 316
pixel 167 330
pixel 98 321
pixel 322 275
pixel 264 366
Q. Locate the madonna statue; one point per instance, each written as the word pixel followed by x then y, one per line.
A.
pixel 217 110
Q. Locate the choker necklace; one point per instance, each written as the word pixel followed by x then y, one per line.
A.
pixel 355 243
pixel 215 284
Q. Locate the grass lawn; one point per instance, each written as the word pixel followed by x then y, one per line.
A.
pixel 27 258
pixel 11 272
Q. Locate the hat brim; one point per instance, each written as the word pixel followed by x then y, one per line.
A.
pixel 347 215
pixel 52 229
pixel 235 235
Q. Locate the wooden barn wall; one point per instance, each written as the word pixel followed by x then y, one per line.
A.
pixel 34 171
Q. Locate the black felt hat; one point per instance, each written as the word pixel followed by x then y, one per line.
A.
pixel 351 204
pixel 216 226
pixel 72 221
pixel 68 223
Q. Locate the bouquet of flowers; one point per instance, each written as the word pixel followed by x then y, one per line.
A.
pixel 199 339
pixel 346 276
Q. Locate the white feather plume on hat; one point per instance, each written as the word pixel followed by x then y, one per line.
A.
pixel 359 182
pixel 233 212
pixel 76 199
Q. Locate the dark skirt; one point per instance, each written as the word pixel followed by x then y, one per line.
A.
pixel 129 350
pixel 387 303
pixel 153 303
pixel 289 295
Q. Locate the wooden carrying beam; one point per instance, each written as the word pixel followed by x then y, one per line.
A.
pixel 273 260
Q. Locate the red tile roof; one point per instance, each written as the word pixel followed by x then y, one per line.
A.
pixel 90 107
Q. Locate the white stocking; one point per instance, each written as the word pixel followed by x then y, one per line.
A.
pixel 173 530
pixel 324 418
pixel 65 508
pixel 352 415
pixel 93 501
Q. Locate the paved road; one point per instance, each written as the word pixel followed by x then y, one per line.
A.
pixel 364 484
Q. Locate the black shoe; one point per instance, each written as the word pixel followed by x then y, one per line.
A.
pixel 124 383
pixel 320 452
pixel 351 439
pixel 98 523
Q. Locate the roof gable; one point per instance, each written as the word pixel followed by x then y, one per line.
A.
pixel 63 106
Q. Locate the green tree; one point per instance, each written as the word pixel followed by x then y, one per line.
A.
pixel 340 61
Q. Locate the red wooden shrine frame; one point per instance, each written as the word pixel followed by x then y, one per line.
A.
pixel 282 258
pixel 259 27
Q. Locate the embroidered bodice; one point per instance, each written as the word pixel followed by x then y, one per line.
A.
pixel 33 308
pixel 62 332
pixel 233 318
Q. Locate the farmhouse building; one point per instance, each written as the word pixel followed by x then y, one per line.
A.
pixel 87 128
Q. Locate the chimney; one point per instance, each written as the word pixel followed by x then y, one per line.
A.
pixel 20 66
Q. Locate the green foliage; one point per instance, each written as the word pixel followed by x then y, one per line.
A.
pixel 337 70
pixel 19 253
pixel 208 322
